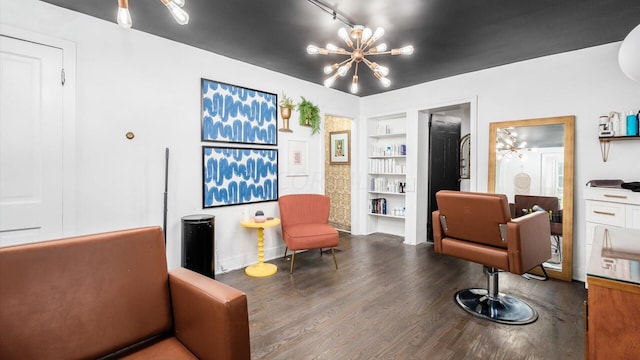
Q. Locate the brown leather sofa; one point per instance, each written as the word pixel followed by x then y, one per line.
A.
pixel 304 220
pixel 110 296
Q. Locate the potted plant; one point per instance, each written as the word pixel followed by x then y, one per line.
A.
pixel 286 106
pixel 309 115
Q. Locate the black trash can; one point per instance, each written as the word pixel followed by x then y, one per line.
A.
pixel 198 240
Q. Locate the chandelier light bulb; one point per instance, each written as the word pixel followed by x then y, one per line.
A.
pixel 330 68
pixel 377 34
pixel 343 34
pixel 342 71
pixel 385 82
pixel 313 50
pixel 354 84
pixel 382 47
pixel 178 14
pixel 407 50
pixel 179 2
pixel 124 17
pixel 329 82
pixel 331 47
pixel 383 70
pixel 366 34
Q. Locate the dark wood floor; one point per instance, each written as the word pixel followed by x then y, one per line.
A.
pixel 394 301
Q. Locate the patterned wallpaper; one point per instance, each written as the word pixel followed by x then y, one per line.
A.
pixel 337 178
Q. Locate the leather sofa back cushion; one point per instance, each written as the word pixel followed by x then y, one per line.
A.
pixel 83 297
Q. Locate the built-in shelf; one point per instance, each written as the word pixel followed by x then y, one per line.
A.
pixel 387 216
pixel 605 143
pixel 388 174
pixel 387 157
pixel 382 136
pixel 387 193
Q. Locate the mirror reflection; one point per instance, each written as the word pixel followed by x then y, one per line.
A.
pixel 528 161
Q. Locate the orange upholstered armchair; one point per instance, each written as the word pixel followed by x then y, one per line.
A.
pixel 304 220
pixel 478 227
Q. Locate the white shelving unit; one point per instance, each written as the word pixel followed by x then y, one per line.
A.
pixel 387 157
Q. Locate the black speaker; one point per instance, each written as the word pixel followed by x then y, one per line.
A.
pixel 198 242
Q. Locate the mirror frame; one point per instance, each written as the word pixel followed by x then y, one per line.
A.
pixel 567 201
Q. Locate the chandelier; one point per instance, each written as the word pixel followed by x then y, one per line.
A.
pixel 360 45
pixel 507 145
pixel 174 7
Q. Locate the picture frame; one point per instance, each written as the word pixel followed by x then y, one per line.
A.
pixel 237 175
pixel 297 158
pixel 340 151
pixel 235 114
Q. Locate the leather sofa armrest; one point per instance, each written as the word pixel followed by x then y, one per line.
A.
pixel 529 241
pixel 211 319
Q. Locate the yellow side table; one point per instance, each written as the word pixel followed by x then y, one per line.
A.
pixel 261 269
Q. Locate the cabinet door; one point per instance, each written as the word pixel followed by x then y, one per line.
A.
pixel 633 216
pixel 613 329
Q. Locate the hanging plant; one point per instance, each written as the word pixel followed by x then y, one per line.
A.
pixel 309 115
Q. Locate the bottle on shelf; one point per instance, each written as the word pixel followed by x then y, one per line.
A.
pixel 632 124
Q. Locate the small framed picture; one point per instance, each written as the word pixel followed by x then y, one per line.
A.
pixel 340 150
pixel 298 158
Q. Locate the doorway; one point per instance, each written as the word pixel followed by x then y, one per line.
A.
pixel 444 159
pixel 440 133
pixel 337 176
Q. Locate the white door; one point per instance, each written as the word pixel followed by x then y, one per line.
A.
pixel 30 142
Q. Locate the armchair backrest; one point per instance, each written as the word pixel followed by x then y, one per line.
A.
pixel 474 217
pixel 304 209
pixel 527 202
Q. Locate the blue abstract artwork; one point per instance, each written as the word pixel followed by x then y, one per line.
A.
pixel 234 176
pixel 235 114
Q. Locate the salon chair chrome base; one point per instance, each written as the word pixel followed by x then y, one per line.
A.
pixel 495 306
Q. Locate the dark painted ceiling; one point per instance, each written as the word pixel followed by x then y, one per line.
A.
pixel 450 37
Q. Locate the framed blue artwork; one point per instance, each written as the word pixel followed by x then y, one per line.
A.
pixel 238 115
pixel 233 176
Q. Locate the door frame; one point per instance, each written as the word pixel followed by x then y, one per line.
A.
pixel 68 118
pixel 422 193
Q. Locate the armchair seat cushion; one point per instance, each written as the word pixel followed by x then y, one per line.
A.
pixel 167 349
pixel 311 236
pixel 478 253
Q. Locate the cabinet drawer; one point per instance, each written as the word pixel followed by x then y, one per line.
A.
pixel 612 195
pixel 606 213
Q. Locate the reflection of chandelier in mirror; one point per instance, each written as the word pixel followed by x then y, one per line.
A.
pixel 508 145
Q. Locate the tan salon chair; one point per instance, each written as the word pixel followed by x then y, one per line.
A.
pixel 478 227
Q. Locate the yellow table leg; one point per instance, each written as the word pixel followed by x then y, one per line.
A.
pixel 261 269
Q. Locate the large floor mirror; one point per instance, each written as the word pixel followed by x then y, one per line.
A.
pixel 531 161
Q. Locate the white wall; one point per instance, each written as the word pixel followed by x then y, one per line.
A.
pixel 130 81
pixel 127 80
pixel 586 83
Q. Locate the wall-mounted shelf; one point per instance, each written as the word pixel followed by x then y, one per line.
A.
pixel 605 143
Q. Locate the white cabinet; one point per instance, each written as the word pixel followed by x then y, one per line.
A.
pixel 386 174
pixel 611 207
